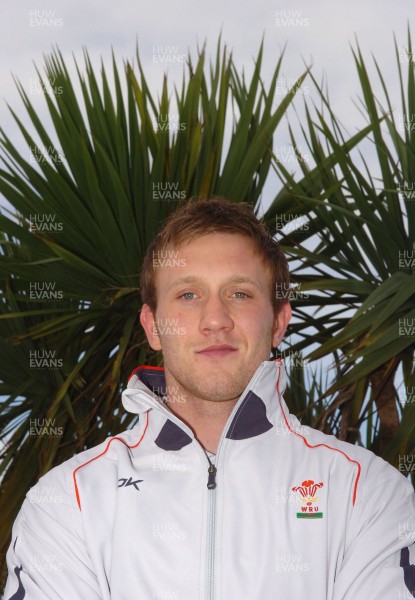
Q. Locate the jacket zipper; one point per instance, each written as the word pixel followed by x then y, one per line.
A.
pixel 210 573
pixel 211 474
pixel 211 485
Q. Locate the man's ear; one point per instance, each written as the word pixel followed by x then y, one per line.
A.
pixel 148 322
pixel 281 321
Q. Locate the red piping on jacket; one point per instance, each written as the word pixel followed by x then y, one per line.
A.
pixel 78 499
pixel 145 367
pixel 318 445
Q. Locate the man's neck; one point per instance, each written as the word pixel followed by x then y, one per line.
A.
pixel 205 418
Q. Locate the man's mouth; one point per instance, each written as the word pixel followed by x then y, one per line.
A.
pixel 217 351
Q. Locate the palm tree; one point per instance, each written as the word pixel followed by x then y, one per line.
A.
pixel 357 256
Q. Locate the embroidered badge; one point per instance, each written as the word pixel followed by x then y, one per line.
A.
pixel 308 497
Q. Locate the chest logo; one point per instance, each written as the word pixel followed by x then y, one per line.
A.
pixel 307 496
pixel 126 482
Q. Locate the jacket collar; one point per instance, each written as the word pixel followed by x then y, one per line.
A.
pixel 259 408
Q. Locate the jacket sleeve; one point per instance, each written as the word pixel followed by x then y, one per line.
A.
pixel 379 557
pixel 47 558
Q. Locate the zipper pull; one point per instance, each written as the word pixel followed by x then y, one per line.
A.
pixel 212 476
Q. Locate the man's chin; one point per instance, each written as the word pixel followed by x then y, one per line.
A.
pixel 220 384
pixel 216 394
pixel 217 380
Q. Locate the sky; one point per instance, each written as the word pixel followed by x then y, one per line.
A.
pixel 318 32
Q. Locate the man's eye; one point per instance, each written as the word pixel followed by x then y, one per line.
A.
pixel 241 294
pixel 188 295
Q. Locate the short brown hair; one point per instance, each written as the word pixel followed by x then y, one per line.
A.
pixel 200 217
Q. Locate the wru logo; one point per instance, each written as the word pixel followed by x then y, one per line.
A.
pixel 307 495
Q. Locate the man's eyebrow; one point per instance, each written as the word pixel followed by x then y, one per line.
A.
pixel 194 279
pixel 187 279
pixel 243 279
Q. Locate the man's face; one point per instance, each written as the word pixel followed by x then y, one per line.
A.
pixel 214 321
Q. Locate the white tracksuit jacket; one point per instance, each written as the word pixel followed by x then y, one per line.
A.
pixel 295 514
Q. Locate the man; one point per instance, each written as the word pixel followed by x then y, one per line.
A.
pixel 218 493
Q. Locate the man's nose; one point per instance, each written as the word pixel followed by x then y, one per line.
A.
pixel 215 315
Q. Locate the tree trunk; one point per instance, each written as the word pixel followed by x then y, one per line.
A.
pixel 384 396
